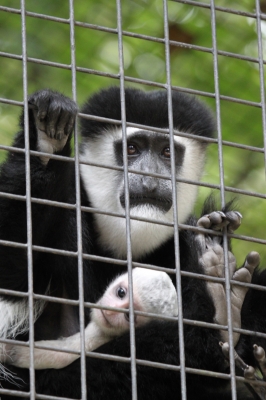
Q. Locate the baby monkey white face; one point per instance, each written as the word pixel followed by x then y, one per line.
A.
pixel 153 292
pixel 111 321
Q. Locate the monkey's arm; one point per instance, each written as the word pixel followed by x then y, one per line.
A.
pixel 19 356
pixel 51 121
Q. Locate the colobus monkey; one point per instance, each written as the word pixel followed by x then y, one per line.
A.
pixel 153 292
pixel 54 228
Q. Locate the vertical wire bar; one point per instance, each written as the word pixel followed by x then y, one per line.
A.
pixel 78 210
pixel 222 194
pixel 262 80
pixel 175 207
pixel 127 203
pixel 28 199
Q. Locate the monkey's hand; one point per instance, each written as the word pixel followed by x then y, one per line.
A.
pixel 54 118
pixel 212 259
pixel 257 383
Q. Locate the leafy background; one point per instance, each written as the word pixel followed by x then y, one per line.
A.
pixel 145 59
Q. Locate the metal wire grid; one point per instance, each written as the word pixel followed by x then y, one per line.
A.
pixel 79 253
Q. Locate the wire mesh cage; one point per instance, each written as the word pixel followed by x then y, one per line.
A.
pixel 212 50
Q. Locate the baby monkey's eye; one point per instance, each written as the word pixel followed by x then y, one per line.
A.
pixel 121 292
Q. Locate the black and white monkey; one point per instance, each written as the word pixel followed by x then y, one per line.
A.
pixel 51 120
pixel 153 292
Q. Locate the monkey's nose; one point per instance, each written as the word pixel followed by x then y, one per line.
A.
pixel 149 184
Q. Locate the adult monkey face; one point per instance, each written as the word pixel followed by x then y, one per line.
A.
pixel 149 152
pixel 150 196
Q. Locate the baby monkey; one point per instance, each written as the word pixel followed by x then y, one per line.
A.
pixel 153 292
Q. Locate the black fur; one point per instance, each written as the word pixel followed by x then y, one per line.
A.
pixel 147 108
pixel 55 227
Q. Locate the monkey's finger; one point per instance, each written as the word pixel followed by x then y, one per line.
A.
pixel 234 220
pixel 70 125
pixel 212 221
pixel 40 102
pixel 217 220
pixel 249 373
pixel 259 354
pixel 209 221
pixel 52 121
pixel 238 360
pixel 244 274
pixel 254 381
pixel 65 123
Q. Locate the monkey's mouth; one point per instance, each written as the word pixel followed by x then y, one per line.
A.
pixel 106 319
pixel 161 203
pixel 126 315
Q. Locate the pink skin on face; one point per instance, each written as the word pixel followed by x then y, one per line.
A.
pixel 117 296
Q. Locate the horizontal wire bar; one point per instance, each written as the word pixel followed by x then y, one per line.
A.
pixel 187 181
pixel 143 363
pixel 111 260
pixel 195 275
pixel 190 322
pixel 189 2
pixel 130 124
pixel 130 79
pixel 142 36
pixel 218 8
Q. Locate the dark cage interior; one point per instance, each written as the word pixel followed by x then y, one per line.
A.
pixel 132 200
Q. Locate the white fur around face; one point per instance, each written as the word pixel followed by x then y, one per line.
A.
pixel 102 186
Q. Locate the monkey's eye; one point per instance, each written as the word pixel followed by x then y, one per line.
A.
pixel 121 292
pixel 166 152
pixel 131 149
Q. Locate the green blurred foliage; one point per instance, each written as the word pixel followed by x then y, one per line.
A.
pixel 145 59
